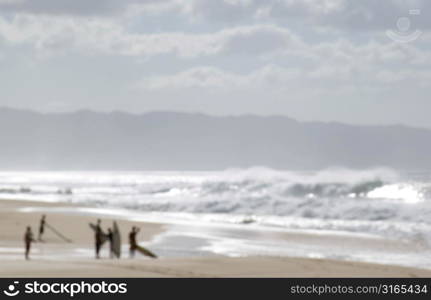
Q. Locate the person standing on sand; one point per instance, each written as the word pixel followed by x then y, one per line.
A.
pixel 28 239
pixel 42 227
pixel 98 237
pixel 111 243
pixel 132 241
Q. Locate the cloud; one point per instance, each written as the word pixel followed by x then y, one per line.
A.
pixel 200 77
pixel 67 7
pixel 207 77
pixel 338 59
pixel 259 39
pixel 343 15
pixel 366 67
pixel 51 33
pixel 98 35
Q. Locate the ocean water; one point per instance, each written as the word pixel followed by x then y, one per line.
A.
pixel 379 202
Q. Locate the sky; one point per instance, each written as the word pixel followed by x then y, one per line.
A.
pixel 357 61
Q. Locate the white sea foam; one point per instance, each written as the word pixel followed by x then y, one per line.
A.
pixel 378 201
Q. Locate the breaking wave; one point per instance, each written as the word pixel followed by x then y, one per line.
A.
pixel 338 198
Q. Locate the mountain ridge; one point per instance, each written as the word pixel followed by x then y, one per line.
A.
pixel 166 140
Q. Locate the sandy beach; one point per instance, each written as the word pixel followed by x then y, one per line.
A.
pixel 56 258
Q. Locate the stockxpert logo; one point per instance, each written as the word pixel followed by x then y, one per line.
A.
pixel 404 32
pixel 12 290
pixel 68 289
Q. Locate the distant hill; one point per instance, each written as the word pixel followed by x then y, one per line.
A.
pixel 174 141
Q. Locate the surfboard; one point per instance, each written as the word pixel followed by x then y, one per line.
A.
pixel 116 240
pixel 104 235
pixel 56 232
pixel 145 251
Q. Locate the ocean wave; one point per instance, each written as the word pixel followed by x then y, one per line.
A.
pixel 334 194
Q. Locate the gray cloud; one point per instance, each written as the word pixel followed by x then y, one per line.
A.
pixel 340 14
pixel 344 15
pixel 54 34
pixel 326 59
pixel 68 7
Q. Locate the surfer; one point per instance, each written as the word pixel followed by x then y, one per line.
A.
pixel 98 237
pixel 42 227
pixel 110 236
pixel 132 240
pixel 28 239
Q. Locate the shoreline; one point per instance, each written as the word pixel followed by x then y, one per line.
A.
pixel 55 258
